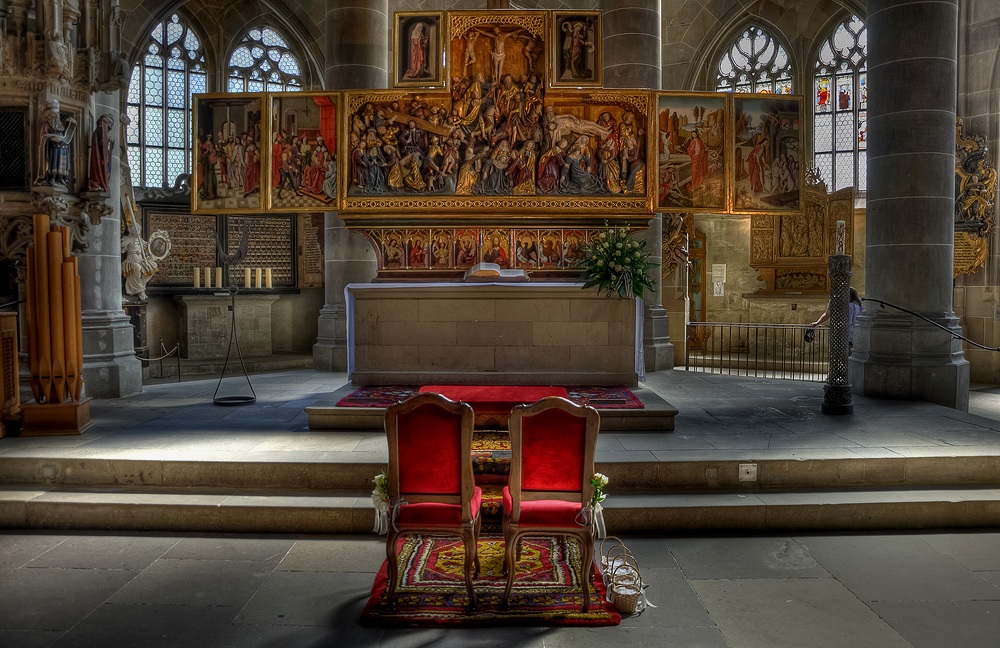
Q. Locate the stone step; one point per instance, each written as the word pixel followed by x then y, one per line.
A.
pixel 354 471
pixel 116 509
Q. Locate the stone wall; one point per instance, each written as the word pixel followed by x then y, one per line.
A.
pixel 537 334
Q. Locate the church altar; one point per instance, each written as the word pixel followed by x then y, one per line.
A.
pixel 491 334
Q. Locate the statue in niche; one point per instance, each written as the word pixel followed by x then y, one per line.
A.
pixel 99 173
pixel 419 43
pixel 56 135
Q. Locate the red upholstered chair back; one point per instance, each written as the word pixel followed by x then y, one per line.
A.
pixel 430 450
pixel 552 445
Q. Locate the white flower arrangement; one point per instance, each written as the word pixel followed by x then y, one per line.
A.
pixel 599 482
pixel 617 264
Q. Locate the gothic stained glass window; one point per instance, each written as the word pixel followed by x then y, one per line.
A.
pixel 840 106
pixel 158 103
pixel 756 62
pixel 263 61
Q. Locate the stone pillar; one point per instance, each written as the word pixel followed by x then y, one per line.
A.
pixel 110 368
pixel 631 50
pixel 911 198
pixel 357 38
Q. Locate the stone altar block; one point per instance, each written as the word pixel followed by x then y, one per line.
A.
pixel 491 334
pixel 205 323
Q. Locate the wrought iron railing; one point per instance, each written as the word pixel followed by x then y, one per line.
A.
pixel 759 350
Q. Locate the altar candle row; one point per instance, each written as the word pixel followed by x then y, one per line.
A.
pixel 203 278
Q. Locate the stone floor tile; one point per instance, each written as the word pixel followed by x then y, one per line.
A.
pixel 98 551
pixel 19 547
pixel 935 624
pixel 469 638
pixel 743 557
pixel 309 598
pixel 896 568
pixel 809 441
pixel 150 626
pixel 676 603
pixel 758 613
pixel 676 441
pixel 975 550
pixel 55 599
pixel 275 636
pixel 28 638
pixel 363 554
pixel 234 547
pixel 638 637
pixel 223 583
pixel 739 441
pixel 887 438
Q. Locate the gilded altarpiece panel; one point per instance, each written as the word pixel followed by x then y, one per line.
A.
pixel 489 150
pixel 975 191
pixel 790 251
pixel 228 160
pixel 767 171
pixel 300 167
pixel 692 130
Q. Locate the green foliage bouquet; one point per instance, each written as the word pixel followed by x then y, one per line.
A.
pixel 617 264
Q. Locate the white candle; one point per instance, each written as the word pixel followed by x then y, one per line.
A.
pixel 197 278
pixel 246 277
pixel 268 283
pixel 208 277
pixel 218 277
pixel 260 275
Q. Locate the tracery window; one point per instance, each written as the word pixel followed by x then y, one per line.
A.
pixel 756 62
pixel 840 106
pixel 263 61
pixel 158 104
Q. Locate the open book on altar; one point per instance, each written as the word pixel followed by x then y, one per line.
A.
pixel 493 272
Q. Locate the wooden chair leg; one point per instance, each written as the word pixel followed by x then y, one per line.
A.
pixel 478 528
pixel 508 563
pixel 392 568
pixel 586 569
pixel 471 558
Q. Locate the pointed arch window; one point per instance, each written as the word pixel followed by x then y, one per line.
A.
pixel 158 104
pixel 755 62
pixel 263 61
pixel 840 107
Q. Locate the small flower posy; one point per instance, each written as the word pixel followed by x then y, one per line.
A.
pixel 617 264
pixel 380 499
pixel 599 482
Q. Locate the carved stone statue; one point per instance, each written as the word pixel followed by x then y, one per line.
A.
pixel 99 172
pixel 55 137
pixel 141 257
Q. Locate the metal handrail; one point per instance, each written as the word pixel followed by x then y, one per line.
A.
pixel 953 334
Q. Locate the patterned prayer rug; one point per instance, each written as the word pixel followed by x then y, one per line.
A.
pixel 598 397
pixel 432 591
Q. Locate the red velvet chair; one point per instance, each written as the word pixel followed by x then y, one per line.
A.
pixel 430 481
pixel 552 445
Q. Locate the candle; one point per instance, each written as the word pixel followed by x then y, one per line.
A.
pixel 197 278
pixel 218 277
pixel 208 277
pixel 268 282
pixel 246 277
pixel 841 236
pixel 260 274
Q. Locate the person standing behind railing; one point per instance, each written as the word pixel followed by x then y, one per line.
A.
pixel 854 307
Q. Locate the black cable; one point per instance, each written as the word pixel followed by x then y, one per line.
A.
pixel 947 330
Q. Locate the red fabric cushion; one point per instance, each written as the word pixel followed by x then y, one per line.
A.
pixel 552 450
pixel 495 397
pixel 438 514
pixel 430 448
pixel 543 513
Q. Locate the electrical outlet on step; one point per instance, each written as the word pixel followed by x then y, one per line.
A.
pixel 748 472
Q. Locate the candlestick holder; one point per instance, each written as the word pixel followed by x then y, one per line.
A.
pixel 235 399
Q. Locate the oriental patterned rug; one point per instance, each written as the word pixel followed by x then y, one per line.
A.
pixel 431 592
pixel 598 397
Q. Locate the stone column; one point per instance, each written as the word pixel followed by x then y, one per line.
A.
pixel 631 50
pixel 911 198
pixel 110 368
pixel 357 38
